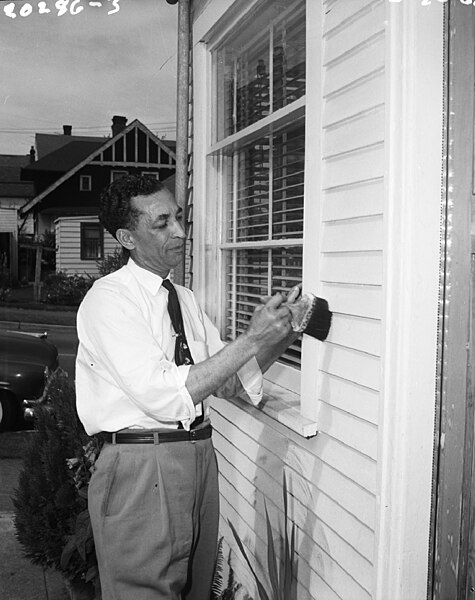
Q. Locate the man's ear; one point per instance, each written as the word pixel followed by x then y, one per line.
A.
pixel 125 238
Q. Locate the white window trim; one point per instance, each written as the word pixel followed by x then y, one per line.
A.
pixel 85 183
pixel 296 408
pixel 156 174
pixel 117 171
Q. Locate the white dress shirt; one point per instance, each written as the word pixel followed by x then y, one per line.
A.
pixel 125 371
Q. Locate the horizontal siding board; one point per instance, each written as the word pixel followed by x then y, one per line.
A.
pixel 357 333
pixel 348 429
pixel 352 365
pixel 350 397
pixel 356 66
pixel 320 556
pixel 355 466
pixel 367 95
pixel 351 167
pixel 353 200
pixel 358 300
pixel 355 33
pixel 353 235
pixel 341 13
pixel 352 267
pixel 363 130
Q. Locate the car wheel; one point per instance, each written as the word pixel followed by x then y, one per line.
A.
pixel 7 412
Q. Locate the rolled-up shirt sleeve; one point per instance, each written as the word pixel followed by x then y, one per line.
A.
pixel 117 347
pixel 249 375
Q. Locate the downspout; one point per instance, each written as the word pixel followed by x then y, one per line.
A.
pixel 182 116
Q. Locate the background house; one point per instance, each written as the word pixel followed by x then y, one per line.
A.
pixel 69 176
pixel 14 193
pixel 326 149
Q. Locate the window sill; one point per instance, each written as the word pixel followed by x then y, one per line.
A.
pixel 283 408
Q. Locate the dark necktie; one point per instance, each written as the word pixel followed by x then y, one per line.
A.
pixel 182 351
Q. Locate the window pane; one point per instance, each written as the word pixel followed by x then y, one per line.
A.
pixel 288 62
pixel 266 58
pixel 264 188
pixel 91 241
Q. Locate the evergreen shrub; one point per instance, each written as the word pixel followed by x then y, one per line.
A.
pixel 67 290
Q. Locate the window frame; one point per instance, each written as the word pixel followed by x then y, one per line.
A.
pixel 121 172
pixel 292 402
pixel 155 174
pixel 83 227
pixel 83 186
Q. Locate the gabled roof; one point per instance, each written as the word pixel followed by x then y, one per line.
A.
pixel 49 142
pixel 11 185
pixel 64 158
pixel 93 155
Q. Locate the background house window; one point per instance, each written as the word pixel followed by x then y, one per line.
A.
pixel 85 183
pixel 152 174
pixel 92 241
pixel 115 175
pixel 259 152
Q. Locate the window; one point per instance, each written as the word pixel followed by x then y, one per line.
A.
pixel 115 175
pixel 152 174
pixel 257 164
pixel 92 241
pixel 85 183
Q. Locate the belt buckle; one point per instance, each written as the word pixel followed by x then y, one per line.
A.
pixel 193 433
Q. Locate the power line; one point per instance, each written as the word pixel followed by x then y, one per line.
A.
pixel 167 125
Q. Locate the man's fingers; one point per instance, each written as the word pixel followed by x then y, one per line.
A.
pixel 275 301
pixel 294 293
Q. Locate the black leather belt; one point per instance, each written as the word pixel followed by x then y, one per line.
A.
pixel 156 437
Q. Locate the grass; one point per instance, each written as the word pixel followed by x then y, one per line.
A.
pixel 20 306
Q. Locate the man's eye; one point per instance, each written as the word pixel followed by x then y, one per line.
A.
pixel 162 225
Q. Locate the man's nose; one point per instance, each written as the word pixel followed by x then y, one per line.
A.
pixel 178 230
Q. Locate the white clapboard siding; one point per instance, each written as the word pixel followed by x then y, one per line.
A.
pixel 8 220
pixel 308 507
pixel 68 242
pixel 313 560
pixel 345 492
pixel 340 14
pixel 333 476
pixel 345 39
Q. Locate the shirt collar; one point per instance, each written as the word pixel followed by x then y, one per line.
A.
pixel 147 279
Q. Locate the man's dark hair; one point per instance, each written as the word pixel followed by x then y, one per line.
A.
pixel 115 208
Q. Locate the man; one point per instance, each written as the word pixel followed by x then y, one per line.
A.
pixel 143 375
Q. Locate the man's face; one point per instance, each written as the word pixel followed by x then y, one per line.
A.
pixel 158 236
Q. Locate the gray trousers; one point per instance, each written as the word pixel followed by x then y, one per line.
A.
pixel 154 511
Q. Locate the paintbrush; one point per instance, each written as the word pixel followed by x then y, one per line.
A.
pixel 310 314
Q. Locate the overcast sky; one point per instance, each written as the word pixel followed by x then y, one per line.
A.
pixel 81 70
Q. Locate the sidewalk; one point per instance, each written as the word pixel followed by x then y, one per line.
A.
pixel 19 578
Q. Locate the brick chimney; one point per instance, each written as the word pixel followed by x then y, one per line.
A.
pixel 118 124
pixel 67 129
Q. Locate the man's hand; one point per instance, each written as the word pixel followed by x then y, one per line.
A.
pixel 270 322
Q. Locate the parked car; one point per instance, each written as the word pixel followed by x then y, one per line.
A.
pixel 26 359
